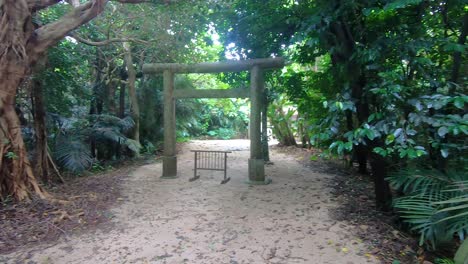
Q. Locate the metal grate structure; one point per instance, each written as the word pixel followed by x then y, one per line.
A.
pixel 210 160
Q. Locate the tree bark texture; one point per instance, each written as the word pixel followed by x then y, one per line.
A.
pixel 134 107
pixel 383 195
pixel 16 175
pixel 111 91
pixel 41 162
pixel 123 77
pixel 265 149
pixel 457 56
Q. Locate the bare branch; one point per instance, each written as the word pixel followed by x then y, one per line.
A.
pixel 133 1
pixel 105 42
pixel 74 3
pixel 36 5
pixel 50 34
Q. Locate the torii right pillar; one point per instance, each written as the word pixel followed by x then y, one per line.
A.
pixel 256 161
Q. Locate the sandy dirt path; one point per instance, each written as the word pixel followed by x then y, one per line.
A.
pixel 177 221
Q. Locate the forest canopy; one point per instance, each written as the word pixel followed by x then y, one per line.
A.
pixel 381 83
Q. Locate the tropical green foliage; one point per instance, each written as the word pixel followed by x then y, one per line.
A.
pixel 281 115
pixel 72 144
pixel 461 256
pixel 434 204
pixel 383 81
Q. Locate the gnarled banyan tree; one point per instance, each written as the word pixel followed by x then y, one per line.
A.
pixel 21 45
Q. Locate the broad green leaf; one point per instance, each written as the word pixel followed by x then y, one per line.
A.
pixel 370 134
pixel 459 102
pixel 451 47
pixel 461 256
pixel 380 151
pixel 390 138
pixel 444 153
pixel 442 131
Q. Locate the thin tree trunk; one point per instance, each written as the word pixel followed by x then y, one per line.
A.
pixel 41 159
pixel 134 108
pixel 360 152
pixel 265 149
pixel 111 89
pixel 362 112
pixel 457 56
pixel 350 127
pixel 383 195
pixel 122 101
pixel 96 101
pixel 123 77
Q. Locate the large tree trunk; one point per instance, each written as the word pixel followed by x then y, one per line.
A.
pixel 16 175
pixel 134 108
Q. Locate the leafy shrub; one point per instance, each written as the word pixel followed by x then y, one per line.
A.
pixel 148 147
pixel 223 133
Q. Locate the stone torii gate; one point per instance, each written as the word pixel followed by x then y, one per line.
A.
pixel 257 84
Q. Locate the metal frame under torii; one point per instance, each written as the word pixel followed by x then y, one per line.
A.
pixel 257 85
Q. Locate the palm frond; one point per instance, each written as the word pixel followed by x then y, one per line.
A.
pixel 107 133
pixel 108 121
pixel 126 124
pixel 434 204
pixel 72 154
pixel 133 145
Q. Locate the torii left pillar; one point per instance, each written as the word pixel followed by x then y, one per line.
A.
pixel 169 158
pixel 256 161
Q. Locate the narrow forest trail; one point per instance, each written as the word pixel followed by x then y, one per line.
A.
pixel 177 221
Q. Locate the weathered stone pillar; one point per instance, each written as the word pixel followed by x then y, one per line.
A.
pixel 256 162
pixel 169 158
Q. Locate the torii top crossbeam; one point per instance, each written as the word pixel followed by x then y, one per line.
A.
pixel 214 67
